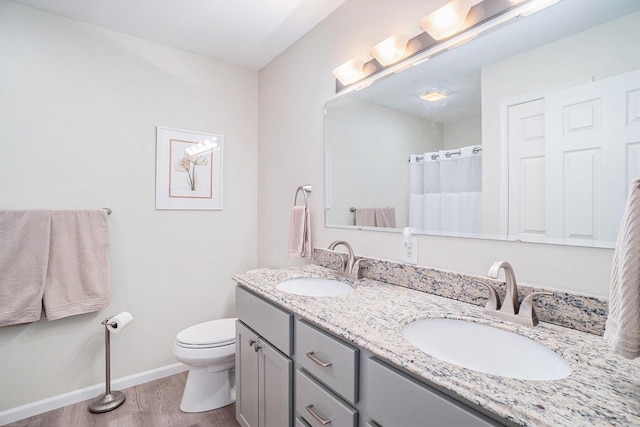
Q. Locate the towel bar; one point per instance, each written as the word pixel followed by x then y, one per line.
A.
pixel 305 189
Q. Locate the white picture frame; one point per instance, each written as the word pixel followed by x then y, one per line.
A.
pixel 183 181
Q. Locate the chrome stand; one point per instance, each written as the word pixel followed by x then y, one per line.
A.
pixel 109 400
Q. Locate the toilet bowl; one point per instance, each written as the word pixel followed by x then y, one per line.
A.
pixel 209 349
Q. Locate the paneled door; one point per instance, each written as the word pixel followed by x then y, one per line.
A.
pixel 592 155
pixel 527 171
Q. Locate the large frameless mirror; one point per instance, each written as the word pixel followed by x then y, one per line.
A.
pixel 536 139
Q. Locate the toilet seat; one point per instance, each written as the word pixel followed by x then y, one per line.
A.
pixel 212 334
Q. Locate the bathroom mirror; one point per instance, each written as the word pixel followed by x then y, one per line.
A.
pixel 522 146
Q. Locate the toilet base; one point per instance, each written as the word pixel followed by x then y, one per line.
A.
pixel 206 390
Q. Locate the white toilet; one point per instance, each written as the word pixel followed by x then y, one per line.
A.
pixel 209 349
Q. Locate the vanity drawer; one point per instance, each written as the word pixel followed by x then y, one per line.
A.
pixel 269 321
pixel 396 400
pixel 328 359
pixel 317 405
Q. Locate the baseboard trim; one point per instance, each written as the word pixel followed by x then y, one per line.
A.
pixel 55 402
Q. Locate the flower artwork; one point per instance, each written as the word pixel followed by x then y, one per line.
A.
pixel 188 170
pixel 188 164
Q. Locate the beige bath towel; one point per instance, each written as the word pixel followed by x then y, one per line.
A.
pixel 385 217
pixel 622 331
pixel 300 233
pixel 366 217
pixel 78 280
pixel 24 249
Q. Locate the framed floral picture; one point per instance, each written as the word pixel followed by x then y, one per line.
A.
pixel 188 169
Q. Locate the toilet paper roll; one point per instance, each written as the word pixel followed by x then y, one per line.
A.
pixel 119 322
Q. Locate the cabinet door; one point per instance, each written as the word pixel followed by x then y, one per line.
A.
pixel 276 389
pixel 246 376
pixel 396 400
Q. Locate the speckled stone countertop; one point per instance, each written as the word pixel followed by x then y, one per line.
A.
pixel 602 390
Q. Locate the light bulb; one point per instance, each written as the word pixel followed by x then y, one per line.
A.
pixel 447 20
pixel 349 72
pixel 390 50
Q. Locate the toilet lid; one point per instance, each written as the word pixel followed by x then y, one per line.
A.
pixel 214 333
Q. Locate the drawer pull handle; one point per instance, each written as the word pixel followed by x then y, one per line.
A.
pixel 313 413
pixel 317 361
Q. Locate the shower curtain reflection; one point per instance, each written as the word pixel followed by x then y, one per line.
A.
pixel 446 191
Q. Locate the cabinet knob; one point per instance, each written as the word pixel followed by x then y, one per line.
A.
pixel 257 347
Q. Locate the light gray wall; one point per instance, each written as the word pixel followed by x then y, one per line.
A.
pixel 463 133
pixel 293 90
pixel 79 108
pixel 366 138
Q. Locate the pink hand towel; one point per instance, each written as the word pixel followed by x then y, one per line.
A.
pixel 385 217
pixel 366 217
pixel 300 233
pixel 24 250
pixel 79 279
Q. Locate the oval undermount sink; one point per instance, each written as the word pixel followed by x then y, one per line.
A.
pixel 486 349
pixel 315 287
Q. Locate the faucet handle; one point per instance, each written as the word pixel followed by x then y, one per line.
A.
pixel 356 271
pixel 526 307
pixel 493 302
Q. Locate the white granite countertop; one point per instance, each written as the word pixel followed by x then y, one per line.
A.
pixel 602 390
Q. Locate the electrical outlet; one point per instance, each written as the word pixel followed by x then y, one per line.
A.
pixel 410 254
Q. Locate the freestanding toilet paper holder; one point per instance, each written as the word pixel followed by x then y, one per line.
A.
pixel 109 400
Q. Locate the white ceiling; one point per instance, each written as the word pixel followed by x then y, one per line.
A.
pixel 249 33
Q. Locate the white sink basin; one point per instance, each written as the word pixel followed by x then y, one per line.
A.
pixel 315 287
pixel 486 349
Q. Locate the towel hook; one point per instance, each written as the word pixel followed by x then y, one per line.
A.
pixel 305 189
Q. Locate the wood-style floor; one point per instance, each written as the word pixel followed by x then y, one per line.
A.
pixel 153 404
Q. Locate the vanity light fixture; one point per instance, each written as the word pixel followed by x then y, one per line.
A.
pixel 390 50
pixel 447 20
pixel 350 71
pixel 434 95
pixel 448 27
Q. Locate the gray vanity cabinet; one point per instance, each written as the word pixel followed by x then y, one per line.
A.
pixel 264 375
pixel 334 384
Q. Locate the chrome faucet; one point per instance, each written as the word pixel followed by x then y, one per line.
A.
pixel 526 314
pixel 350 267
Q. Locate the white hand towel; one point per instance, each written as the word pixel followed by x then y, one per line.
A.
pixel 78 280
pixel 622 330
pixel 24 250
pixel 300 233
